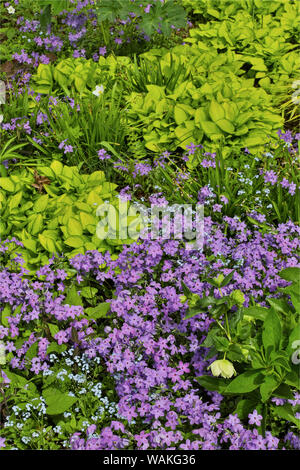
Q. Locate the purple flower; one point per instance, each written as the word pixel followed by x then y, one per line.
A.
pixel 102 50
pixel 68 149
pixel 255 418
pixel 270 177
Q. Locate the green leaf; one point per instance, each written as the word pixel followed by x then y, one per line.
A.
pixel 216 111
pixel 246 382
pixel 288 274
pixel 74 227
pixel 15 200
pixel 6 312
pixel 259 313
pixel 41 203
pixel 57 167
pixel 57 402
pixel 98 312
pixel 72 297
pixel 32 351
pixel 286 412
pixel 75 241
pixel 88 292
pixel 226 126
pixel 180 115
pixel 54 329
pixel 268 386
pixel 47 243
pixel 212 383
pixel 211 129
pixel 36 225
pixel 271 335
pixel 244 407
pixel 7 184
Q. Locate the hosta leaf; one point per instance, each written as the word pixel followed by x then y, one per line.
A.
pixel 74 241
pixel 225 125
pixel 216 111
pixel 74 227
pixel 7 184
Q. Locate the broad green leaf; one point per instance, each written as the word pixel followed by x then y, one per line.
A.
pixel 72 297
pixel 98 312
pixel 57 402
pixel 74 227
pixel 268 386
pixel 7 184
pixel 57 167
pixel 212 383
pixel 286 412
pixel 216 111
pixel 15 200
pixel 41 203
pixel 271 335
pixel 88 292
pixel 245 383
pixel 74 241
pixel 180 115
pixel 225 125
pixel 54 329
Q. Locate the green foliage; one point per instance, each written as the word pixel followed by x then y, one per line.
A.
pixel 259 340
pixel 239 180
pixel 160 15
pixel 214 105
pixel 63 219
pixel 78 76
pixel 51 7
pixel 222 9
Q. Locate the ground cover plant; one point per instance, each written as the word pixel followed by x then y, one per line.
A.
pixel 114 335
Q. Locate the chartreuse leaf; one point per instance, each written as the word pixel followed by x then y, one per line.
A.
pixel 41 203
pixel 74 227
pixel 7 184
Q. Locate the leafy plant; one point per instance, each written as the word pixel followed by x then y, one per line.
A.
pixel 165 15
pixel 61 219
pixel 259 340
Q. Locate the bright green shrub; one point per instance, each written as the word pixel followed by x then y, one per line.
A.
pixel 222 9
pixel 73 76
pixel 213 105
pixel 63 219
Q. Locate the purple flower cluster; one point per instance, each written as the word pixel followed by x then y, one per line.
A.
pixel 152 353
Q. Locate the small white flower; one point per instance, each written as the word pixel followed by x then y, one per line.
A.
pixel 99 90
pixel 1 118
pixel 11 10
